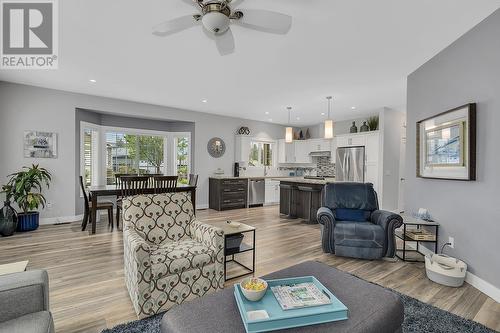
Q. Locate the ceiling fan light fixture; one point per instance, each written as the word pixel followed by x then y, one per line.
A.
pixel 215 22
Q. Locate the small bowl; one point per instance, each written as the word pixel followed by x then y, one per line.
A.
pixel 253 295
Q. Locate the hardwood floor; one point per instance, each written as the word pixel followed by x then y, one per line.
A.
pixel 88 294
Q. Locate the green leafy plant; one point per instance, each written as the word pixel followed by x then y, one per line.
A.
pixel 26 186
pixel 372 123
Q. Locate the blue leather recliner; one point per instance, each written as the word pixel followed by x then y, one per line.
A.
pixel 352 224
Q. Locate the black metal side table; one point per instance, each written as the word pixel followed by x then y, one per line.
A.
pixel 414 254
pixel 229 253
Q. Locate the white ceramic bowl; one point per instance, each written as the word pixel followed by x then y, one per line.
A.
pixel 253 295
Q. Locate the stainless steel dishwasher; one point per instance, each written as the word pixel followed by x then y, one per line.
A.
pixel 256 192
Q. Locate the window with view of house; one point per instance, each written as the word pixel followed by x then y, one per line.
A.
pixel 128 151
pixel 261 154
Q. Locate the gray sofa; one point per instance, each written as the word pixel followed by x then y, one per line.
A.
pixel 24 303
pixel 352 224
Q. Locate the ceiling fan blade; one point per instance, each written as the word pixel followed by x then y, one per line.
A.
pixel 265 20
pixel 192 2
pixel 175 25
pixel 235 3
pixel 225 42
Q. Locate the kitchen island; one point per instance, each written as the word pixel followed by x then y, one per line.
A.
pixel 301 197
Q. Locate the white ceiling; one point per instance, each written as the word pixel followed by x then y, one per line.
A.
pixel 359 51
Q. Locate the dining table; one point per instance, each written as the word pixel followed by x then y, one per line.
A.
pixel 115 191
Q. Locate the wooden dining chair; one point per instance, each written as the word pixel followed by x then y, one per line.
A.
pixel 193 179
pixel 102 205
pixel 130 185
pixel 164 184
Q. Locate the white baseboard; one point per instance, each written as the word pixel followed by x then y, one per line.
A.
pixel 205 206
pixel 475 281
pixel 61 219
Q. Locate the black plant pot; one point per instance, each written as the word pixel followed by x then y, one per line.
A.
pixel 8 220
pixel 28 221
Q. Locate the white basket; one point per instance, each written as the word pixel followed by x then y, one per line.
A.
pixel 445 270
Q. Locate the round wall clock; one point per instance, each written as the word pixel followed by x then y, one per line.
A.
pixel 216 147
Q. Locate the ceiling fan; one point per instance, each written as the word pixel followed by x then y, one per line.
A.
pixel 217 15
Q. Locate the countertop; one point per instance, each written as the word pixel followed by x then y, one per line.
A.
pixel 302 180
pixel 252 177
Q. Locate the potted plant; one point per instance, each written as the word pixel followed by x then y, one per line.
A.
pixel 25 187
pixel 373 123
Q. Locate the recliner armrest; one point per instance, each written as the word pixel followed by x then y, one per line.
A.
pixel 325 215
pixel 23 293
pixel 386 219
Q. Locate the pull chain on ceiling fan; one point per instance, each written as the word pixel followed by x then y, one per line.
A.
pixel 216 16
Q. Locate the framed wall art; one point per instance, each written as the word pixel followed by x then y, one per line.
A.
pixel 38 144
pixel 446 145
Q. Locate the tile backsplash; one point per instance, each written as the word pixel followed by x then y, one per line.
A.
pixel 324 166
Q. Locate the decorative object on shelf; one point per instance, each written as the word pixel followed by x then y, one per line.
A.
pixel 301 135
pixel 446 145
pixel 8 219
pixel 40 144
pixel 296 135
pixel 373 123
pixel 308 135
pixel 329 121
pixel 354 128
pixel 244 130
pixel 364 127
pixel 289 129
pixel 25 187
pixel 219 171
pixel 216 147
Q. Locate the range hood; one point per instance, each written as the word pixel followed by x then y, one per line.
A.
pixel 325 153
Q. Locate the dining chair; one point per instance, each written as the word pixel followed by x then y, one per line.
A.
pixel 164 184
pixel 130 185
pixel 193 179
pixel 101 205
pixel 118 177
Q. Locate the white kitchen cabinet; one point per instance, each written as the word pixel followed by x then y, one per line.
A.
pixel 286 152
pixel 301 152
pixel 272 192
pixel 372 147
pixel 319 145
pixel 351 140
pixel 372 175
pixel 242 148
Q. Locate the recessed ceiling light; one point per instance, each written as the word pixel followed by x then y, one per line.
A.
pixel 353 108
pixel 92 80
pixel 267 112
pixel 322 113
pixel 298 118
pixel 204 101
pixel 270 119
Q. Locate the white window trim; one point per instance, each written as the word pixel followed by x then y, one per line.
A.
pixel 169 147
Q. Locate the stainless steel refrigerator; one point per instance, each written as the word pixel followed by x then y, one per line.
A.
pixel 350 164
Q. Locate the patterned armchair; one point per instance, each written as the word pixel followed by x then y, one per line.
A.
pixel 170 257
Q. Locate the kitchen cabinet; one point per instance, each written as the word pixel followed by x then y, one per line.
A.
pixel 242 148
pixel 319 145
pixel 227 193
pixel 301 152
pixel 351 140
pixel 272 192
pixel 286 152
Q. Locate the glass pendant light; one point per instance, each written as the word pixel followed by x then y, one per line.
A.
pixel 289 130
pixel 329 121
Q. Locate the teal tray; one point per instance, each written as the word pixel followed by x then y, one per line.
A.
pixel 281 319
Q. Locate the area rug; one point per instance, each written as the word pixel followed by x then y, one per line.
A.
pixel 419 318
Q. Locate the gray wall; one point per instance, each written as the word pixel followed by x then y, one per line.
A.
pixel 32 108
pixel 466 71
pixel 104 119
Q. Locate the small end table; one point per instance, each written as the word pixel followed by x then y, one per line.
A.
pixel 244 247
pixel 14 267
pixel 404 253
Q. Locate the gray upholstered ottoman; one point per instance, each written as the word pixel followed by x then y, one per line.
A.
pixel 371 308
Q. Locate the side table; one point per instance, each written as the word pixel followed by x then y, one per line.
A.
pixel 414 254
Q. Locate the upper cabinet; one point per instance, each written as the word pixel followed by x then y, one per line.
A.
pixel 351 140
pixel 319 145
pixel 242 148
pixel 302 152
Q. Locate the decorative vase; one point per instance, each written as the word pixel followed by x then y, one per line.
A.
pixel 301 135
pixel 353 128
pixel 8 220
pixel 364 127
pixel 28 221
pixel 308 135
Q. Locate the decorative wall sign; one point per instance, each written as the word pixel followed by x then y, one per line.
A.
pixel 216 147
pixel 446 145
pixel 39 144
pixel 244 130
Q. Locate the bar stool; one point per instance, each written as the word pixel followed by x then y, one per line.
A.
pixel 310 190
pixel 287 209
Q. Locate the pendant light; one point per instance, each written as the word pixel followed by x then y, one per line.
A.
pixel 289 130
pixel 329 121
